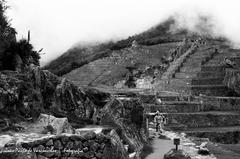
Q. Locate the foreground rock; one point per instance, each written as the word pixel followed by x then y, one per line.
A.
pixel 174 154
pixel 127 116
pixel 90 145
pixel 203 151
pixel 59 125
pixel 25 95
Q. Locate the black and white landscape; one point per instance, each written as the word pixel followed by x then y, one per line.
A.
pixel 105 79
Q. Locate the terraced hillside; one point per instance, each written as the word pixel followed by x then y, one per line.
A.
pixel 110 70
pixel 192 91
pixel 195 98
pixel 201 72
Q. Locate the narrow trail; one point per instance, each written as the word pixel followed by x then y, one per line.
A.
pixel 160 147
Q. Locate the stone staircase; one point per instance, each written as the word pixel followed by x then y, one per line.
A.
pixel 201 101
pixel 201 72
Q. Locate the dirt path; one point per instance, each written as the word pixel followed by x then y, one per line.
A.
pixel 160 146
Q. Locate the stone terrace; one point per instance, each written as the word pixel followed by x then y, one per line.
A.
pixel 194 96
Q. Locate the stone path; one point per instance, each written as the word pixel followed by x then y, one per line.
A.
pixel 163 146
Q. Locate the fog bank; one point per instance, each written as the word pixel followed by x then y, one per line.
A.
pixel 56 25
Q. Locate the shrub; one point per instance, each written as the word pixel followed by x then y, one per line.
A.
pixel 25 50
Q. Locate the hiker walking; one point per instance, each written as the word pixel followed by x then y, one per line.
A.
pixel 159 121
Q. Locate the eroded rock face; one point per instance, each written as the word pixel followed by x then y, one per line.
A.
pixel 35 91
pixel 173 154
pixel 60 125
pixel 116 150
pixel 126 114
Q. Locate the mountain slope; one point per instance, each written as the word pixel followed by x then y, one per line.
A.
pixel 137 60
pixel 114 68
pixel 79 56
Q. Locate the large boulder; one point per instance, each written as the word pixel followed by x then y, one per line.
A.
pixel 176 154
pixel 116 149
pixel 127 116
pixel 59 125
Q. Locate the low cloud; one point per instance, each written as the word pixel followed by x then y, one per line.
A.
pixel 58 25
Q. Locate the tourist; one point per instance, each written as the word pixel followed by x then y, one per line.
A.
pixel 158 121
pixel 201 97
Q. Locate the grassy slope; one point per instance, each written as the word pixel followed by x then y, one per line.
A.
pixel 74 58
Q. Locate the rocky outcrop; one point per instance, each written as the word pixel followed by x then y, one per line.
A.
pixel 34 91
pixel 116 150
pixel 59 125
pixel 126 115
pixel 173 154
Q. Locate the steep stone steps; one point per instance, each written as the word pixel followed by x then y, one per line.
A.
pixel 174 67
pixel 196 76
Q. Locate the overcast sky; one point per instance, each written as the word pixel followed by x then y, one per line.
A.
pixel 56 25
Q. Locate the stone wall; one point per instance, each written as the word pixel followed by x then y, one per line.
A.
pixel 203 120
pixel 88 146
pixel 180 108
pixel 221 103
